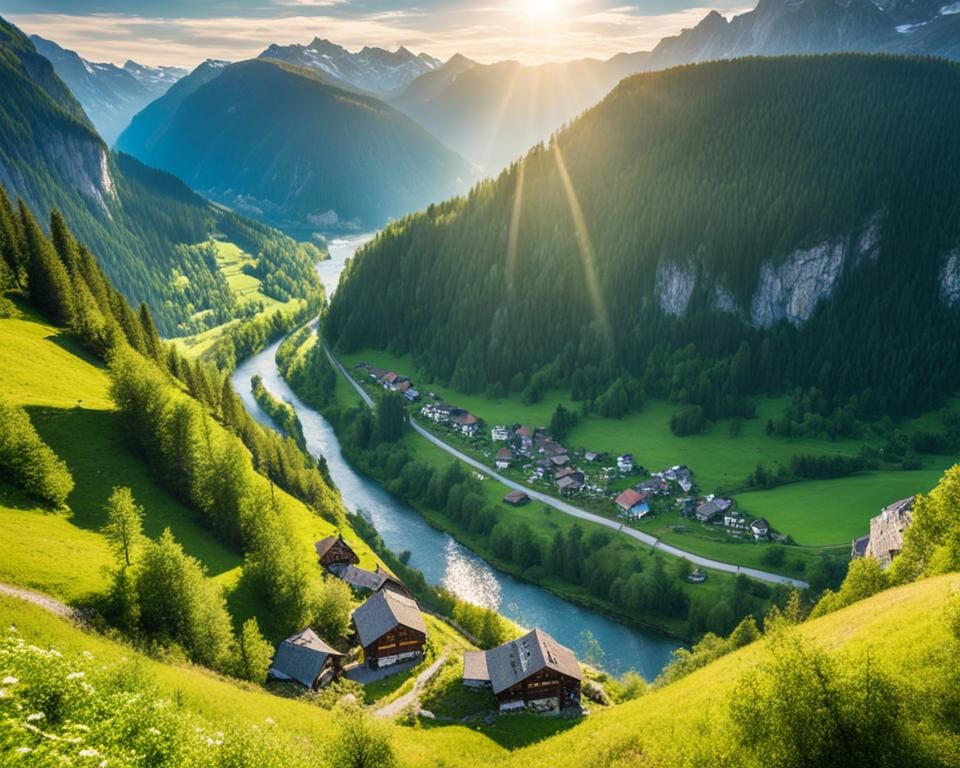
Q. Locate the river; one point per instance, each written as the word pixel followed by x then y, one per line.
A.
pixel 435 553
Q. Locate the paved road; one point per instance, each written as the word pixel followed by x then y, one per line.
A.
pixel 570 509
pixel 412 697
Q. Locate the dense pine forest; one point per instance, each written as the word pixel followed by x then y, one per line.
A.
pixel 703 234
pixel 143 223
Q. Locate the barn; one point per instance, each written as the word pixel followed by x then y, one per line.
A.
pixel 333 550
pixel 306 659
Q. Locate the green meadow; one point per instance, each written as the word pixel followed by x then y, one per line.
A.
pixel 816 513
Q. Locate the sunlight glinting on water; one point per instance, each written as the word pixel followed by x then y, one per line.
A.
pixel 469 580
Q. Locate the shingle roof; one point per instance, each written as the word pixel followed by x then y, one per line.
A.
pixel 513 662
pixel 384 611
pixel 475 666
pixel 323 546
pixel 302 657
pixel 629 499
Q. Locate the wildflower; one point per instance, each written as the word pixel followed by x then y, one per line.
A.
pixel 9 680
pixel 88 752
pixel 269 721
pixel 35 716
pixel 74 675
pixel 23 750
pixel 153 731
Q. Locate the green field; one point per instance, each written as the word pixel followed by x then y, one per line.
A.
pixel 231 260
pixel 815 513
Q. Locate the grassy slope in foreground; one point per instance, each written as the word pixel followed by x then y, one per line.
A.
pixel 62 553
pixel 901 630
pixel 815 513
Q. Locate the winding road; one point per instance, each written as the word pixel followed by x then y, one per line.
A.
pixel 570 509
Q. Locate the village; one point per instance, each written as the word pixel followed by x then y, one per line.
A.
pixel 389 636
pixel 596 479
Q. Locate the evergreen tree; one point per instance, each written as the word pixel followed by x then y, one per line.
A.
pixel 48 279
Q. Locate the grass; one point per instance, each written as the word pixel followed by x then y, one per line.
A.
pixel 822 512
pixel 815 513
pixel 231 260
pixel 902 631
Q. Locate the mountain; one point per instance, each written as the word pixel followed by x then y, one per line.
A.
pixel 371 70
pixel 493 113
pixel 777 27
pixel 141 223
pixel 161 77
pixel 109 95
pixel 704 233
pixel 153 119
pixel 278 143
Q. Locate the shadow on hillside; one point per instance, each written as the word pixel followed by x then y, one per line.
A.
pixel 14 498
pixel 68 342
pixel 99 454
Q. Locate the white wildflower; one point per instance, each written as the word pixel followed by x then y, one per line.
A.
pixel 75 675
pixel 269 721
pixel 35 716
pixel 154 731
pixel 88 752
pixel 87 655
pixel 9 680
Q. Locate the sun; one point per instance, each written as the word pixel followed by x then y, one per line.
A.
pixel 542 9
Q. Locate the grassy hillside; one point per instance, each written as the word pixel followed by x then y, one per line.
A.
pixel 62 553
pixel 903 632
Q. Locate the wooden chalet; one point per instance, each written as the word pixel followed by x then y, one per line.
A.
pixel 306 659
pixel 389 628
pixel 333 550
pixel 533 672
pixel 516 498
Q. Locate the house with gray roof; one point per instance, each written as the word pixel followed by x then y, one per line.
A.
pixel 390 628
pixel 306 659
pixel 533 672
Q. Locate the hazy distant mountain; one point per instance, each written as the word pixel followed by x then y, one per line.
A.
pixel 278 143
pixel 157 77
pixel 776 27
pixel 151 121
pixel 371 70
pixel 110 95
pixel 493 113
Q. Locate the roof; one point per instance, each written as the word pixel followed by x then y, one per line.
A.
pixel 860 546
pixel 515 497
pixel 629 499
pixel 302 657
pixel 475 666
pixel 513 662
pixel 569 482
pixel 760 524
pixel 504 454
pixel 384 611
pixel 358 577
pixel 325 545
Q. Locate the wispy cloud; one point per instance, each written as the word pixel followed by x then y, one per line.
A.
pixel 489 32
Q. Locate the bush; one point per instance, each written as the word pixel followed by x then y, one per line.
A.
pixel 361 742
pixel 27 462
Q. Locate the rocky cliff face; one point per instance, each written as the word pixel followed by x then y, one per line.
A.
pixel 675 284
pixel 950 278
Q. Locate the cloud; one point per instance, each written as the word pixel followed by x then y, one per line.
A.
pixel 487 33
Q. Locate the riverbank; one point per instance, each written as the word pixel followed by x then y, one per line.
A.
pixel 442 560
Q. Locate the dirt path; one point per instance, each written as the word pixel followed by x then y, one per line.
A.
pixel 46 602
pixel 397 706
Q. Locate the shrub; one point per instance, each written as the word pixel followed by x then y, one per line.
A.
pixel 29 463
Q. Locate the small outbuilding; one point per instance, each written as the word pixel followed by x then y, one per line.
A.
pixel 389 628
pixel 516 498
pixel 306 659
pixel 333 550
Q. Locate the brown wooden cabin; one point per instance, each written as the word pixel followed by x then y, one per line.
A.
pixel 389 628
pixel 306 659
pixel 533 672
pixel 333 550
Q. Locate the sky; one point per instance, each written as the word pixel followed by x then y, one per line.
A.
pixel 184 33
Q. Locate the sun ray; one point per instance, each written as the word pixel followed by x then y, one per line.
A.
pixel 501 114
pixel 585 246
pixel 514 232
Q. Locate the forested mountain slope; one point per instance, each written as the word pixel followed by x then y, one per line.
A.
pixel 278 143
pixel 704 233
pixel 110 95
pixel 143 224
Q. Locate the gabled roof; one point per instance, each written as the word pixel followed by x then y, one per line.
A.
pixel 384 611
pixel 760 525
pixel 629 499
pixel 475 666
pixel 514 662
pixel 504 454
pixel 302 657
